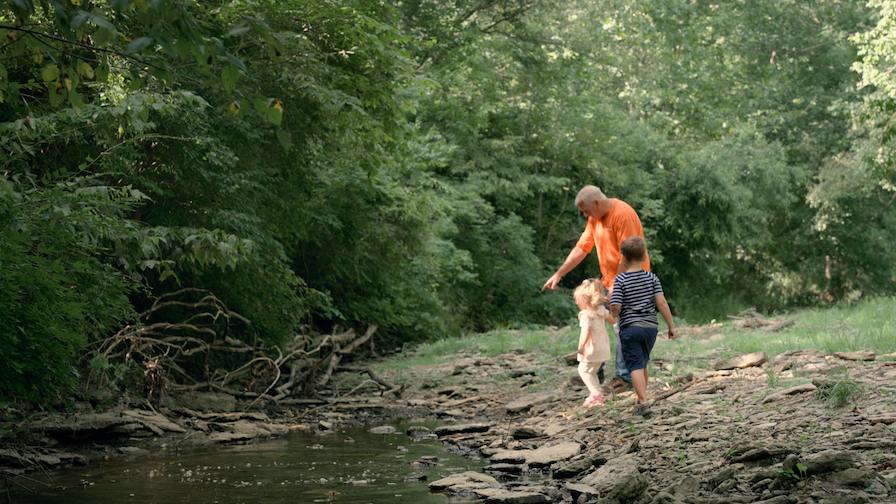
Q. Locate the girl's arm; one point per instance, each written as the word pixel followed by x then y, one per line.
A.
pixel 605 314
pixel 584 335
pixel 663 307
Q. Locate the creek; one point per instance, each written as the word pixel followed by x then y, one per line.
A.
pixel 348 466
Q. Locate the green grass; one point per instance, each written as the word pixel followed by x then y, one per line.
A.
pixel 867 325
pixel 548 343
pixel 840 389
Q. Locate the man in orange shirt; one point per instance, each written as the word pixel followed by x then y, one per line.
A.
pixel 610 222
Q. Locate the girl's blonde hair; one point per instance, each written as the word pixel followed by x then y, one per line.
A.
pixel 591 291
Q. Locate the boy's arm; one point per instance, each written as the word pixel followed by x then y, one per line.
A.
pixel 663 307
pixel 614 310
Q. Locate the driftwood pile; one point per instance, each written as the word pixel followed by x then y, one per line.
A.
pixel 752 319
pixel 200 353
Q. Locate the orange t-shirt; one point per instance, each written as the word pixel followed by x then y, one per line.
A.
pixel 608 233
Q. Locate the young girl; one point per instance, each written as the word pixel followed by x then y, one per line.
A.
pixel 594 345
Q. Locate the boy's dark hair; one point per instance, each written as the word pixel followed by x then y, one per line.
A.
pixel 634 249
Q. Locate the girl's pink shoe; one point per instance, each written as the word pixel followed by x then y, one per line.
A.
pixel 594 400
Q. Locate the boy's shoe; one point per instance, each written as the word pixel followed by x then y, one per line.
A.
pixel 594 400
pixel 617 385
pixel 642 410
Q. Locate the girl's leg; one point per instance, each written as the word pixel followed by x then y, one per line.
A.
pixel 587 371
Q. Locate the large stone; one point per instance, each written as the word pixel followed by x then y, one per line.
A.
pixel 619 479
pixel 153 421
pixel 538 457
pixel 526 433
pixel 502 496
pixel 244 430
pixel 796 389
pixel 447 430
pixel 829 461
pixel 851 477
pixel 464 480
pixel 743 361
pixel 201 401
pixel 548 455
pixel 855 356
pixel 527 401
pixel 574 468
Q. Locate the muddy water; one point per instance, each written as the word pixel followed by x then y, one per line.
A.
pixel 345 467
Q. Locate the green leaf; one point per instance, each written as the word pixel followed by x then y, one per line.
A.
pixel 85 69
pixel 23 8
pixel 284 139
pixel 237 31
pixel 138 44
pixel 229 76
pixel 49 73
pixel 121 5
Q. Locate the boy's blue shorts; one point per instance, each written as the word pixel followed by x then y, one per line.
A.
pixel 637 342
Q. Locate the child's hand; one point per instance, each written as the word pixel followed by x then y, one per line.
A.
pixel 671 333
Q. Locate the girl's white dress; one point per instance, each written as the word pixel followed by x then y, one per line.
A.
pixel 594 322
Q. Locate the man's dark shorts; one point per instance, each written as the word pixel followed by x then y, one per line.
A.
pixel 637 342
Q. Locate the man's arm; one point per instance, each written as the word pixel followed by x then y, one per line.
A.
pixel 663 307
pixel 576 255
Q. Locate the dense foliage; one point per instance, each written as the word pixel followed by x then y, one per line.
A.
pixel 413 165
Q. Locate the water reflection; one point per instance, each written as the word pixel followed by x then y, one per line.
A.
pixel 345 467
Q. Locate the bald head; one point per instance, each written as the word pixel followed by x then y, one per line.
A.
pixel 588 196
pixel 592 202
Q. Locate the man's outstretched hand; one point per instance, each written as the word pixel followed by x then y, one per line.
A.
pixel 552 282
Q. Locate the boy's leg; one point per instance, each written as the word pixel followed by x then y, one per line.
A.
pixel 635 353
pixel 621 369
pixel 639 380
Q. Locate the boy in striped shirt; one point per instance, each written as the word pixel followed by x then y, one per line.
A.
pixel 637 296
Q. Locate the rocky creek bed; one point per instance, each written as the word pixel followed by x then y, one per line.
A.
pixel 729 434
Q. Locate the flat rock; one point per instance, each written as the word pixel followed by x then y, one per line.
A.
pixel 860 355
pixel 884 418
pixel 383 429
pixel 154 421
pixel 829 461
pixel 504 468
pixel 447 430
pixel 244 430
pixel 502 496
pixel 797 389
pixel 619 479
pixel 743 361
pixel 543 456
pixel 201 401
pixel 510 456
pixel 573 468
pixel 463 479
pixel 579 489
pixel 527 401
pixel 851 477
pixel 526 433
pixel 548 455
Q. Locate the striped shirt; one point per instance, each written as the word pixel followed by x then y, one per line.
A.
pixel 636 291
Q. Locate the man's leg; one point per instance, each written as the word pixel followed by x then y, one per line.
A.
pixel 621 370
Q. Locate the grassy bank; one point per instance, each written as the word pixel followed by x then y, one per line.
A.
pixel 867 325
